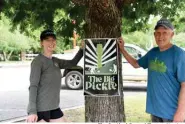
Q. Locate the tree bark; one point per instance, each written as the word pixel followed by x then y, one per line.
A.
pixel 103 20
pixel 23 55
pixel 9 55
pixel 75 36
pixel 4 56
pixel 79 2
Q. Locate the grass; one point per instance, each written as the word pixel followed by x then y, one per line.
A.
pixel 134 110
pixel 75 115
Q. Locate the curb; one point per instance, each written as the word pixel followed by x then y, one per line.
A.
pixel 23 118
pixel 134 88
pixel 18 64
pixel 14 66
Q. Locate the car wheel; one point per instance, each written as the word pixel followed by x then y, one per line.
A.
pixel 74 80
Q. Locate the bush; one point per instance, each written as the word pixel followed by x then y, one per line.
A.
pixel 15 58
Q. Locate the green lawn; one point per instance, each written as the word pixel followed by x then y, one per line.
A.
pixel 134 110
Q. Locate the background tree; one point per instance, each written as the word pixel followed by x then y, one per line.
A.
pixel 12 42
pixel 97 18
pixel 179 39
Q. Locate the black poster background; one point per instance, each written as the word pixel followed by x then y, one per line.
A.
pixel 101 67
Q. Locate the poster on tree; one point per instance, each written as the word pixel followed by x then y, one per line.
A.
pixel 101 67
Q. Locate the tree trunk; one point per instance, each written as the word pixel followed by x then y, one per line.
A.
pixel 74 39
pixel 4 56
pixel 9 55
pixel 103 20
pixel 23 55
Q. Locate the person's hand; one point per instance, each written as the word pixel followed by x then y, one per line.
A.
pixel 179 117
pixel 121 43
pixel 82 44
pixel 32 118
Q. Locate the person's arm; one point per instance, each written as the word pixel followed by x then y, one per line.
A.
pixel 34 82
pixel 128 57
pixel 69 63
pixel 180 113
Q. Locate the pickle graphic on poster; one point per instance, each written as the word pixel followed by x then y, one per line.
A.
pixel 101 67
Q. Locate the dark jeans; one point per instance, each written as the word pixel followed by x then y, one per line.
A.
pixel 158 119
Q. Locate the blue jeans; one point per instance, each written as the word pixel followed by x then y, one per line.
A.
pixel 158 119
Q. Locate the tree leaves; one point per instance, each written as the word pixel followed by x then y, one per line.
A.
pixel 38 14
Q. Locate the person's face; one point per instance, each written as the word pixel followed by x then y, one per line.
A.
pixel 163 36
pixel 49 44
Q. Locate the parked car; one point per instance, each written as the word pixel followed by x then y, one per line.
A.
pixel 183 48
pixel 129 73
pixel 74 76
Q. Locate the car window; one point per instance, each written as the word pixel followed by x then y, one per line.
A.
pixel 133 52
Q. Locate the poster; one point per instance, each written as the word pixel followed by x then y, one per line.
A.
pixel 101 67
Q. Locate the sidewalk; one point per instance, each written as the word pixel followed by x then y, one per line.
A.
pixel 130 86
pixel 15 64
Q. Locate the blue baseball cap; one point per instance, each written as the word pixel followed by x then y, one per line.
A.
pixel 164 23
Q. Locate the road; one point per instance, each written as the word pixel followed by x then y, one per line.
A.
pixel 14 83
pixel 14 103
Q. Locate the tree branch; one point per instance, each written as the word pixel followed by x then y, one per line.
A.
pixel 2 2
pixel 121 3
pixel 79 2
pixel 127 1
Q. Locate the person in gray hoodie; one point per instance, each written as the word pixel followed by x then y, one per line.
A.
pixel 45 81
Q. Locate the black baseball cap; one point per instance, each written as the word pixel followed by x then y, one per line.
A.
pixel 47 33
pixel 164 23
